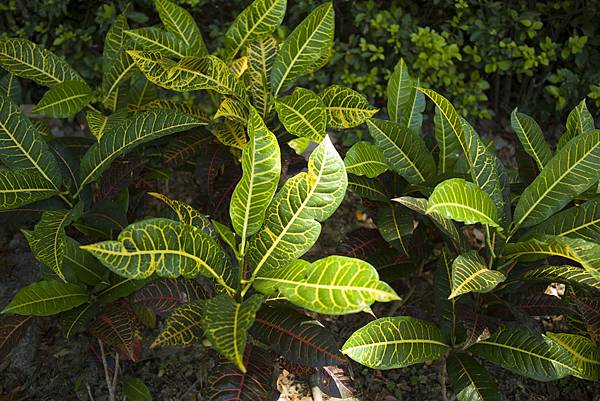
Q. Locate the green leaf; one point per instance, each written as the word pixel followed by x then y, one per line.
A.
pixel 154 39
pixel 581 221
pixel 259 19
pixel 297 337
pixel 445 225
pixel 581 251
pixel 395 342
pixel 345 107
pixel 191 110
pixel 226 234
pixel 261 165
pixel 11 88
pixel 470 380
pixel 394 223
pixel 230 133
pixel 464 201
pixel 570 172
pixel 190 73
pixel 531 137
pixel 470 274
pixel 232 109
pixel 303 114
pixel 82 264
pixel 117 66
pixel 335 285
pixel 447 142
pixel 303 47
pixel 364 158
pixel 64 100
pixel 133 131
pixel 188 215
pixel 579 122
pixel 565 274
pixel 12 330
pixel 261 55
pixel 371 189
pixel 226 324
pixel 45 298
pixel 183 326
pixel 164 247
pixel 583 351
pixel 525 353
pixel 27 60
pixel 135 390
pixel 22 147
pixel 292 219
pixel 445 307
pixel 177 20
pixel 405 103
pixel 99 124
pixel 48 239
pixel 20 187
pixel 404 150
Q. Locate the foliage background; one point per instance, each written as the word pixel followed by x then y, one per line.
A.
pixel 485 56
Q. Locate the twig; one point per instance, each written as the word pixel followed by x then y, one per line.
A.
pixel 115 375
pixel 111 394
pixel 89 391
pixel 442 378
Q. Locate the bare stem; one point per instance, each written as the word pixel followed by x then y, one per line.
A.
pixel 115 375
pixel 111 394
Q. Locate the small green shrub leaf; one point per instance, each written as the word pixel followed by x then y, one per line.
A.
pixel 226 324
pixel 303 114
pixel 404 150
pixel 570 172
pixel 230 133
pixel 259 19
pixel 447 142
pixel 11 88
pixel 464 201
pixel 135 390
pixel 45 298
pixel 261 55
pixel 345 107
pixel 367 188
pixel 395 223
pixel 232 109
pixel 261 165
pixel 303 48
pixel 64 100
pixel 470 274
pixel 395 342
pixel 335 285
pixel 364 158
pixel 470 380
pixel 531 137
pixel 188 215
pixel 523 352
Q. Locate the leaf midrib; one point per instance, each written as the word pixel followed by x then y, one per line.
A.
pixel 56 103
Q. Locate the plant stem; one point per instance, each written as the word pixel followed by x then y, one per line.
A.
pixel 111 395
pixel 490 245
pixel 115 375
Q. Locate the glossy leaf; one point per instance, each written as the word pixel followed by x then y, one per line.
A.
pixel 367 188
pixel 304 47
pixel 64 100
pixel 570 172
pixel 583 351
pixel 292 223
pixel 45 298
pixel 27 60
pixel 345 107
pixel 579 122
pixel 464 201
pixel 48 241
pixel 261 165
pixel 164 247
pixel 303 114
pixel 564 274
pixel 226 324
pixel 22 147
pixel 100 124
pixel 183 326
pixel 531 137
pixel 12 329
pixel 232 109
pixel 522 352
pixel 395 223
pixel 259 19
pixel 154 39
pixel 395 342
pixel 582 221
pixel 227 383
pixel 133 131
pixel 177 20
pixel 405 103
pixel 470 274
pixel 261 55
pixel 447 142
pixel 20 187
pixel 11 88
pixel 335 285
pixel 404 150
pixel 186 108
pixel 230 133
pixel 117 66
pixel 135 390
pixel 470 380
pixel 187 214
pixel 82 265
pixel 364 158
pixel 297 337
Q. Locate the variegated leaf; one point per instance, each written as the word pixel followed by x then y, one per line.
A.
pixel 99 124
pixel 565 274
pixel 20 187
pixel 177 20
pixel 303 114
pixel 345 107
pixel 230 133
pixel 64 100
pixel 187 214
pixel 183 326
pixel 583 351
pixel 531 137
pixel 405 103
pixel 117 66
pixel 233 110
pixel 11 88
pixel 579 122
pixel 261 55
pixel 447 142
pixel 364 158
pixel 470 274
pixel 154 39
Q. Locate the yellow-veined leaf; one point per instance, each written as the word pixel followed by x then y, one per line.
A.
pixel 11 88
pixel 470 274
pixel 45 298
pixel 564 274
pixel 364 158
pixel 187 214
pixel 177 20
pixel 345 107
pixel 531 137
pixel 154 39
pixel 580 121
pixel 20 187
pixel 230 133
pixel 583 351
pixel 232 109
pixel 405 103
pixel 261 55
pixel 64 100
pixel 303 114
pixel 183 326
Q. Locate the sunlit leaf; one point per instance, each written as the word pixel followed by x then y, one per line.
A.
pixel 531 137
pixel 345 107
pixel 177 20
pixel 261 55
pixel 183 326
pixel 405 103
pixel 579 122
pixel 154 39
pixel 364 158
pixel 447 142
pixel 583 351
pixel 565 274
pixel 64 99
pixel 303 114
pixel 470 274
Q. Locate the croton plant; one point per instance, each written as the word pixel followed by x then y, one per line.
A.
pixel 233 277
